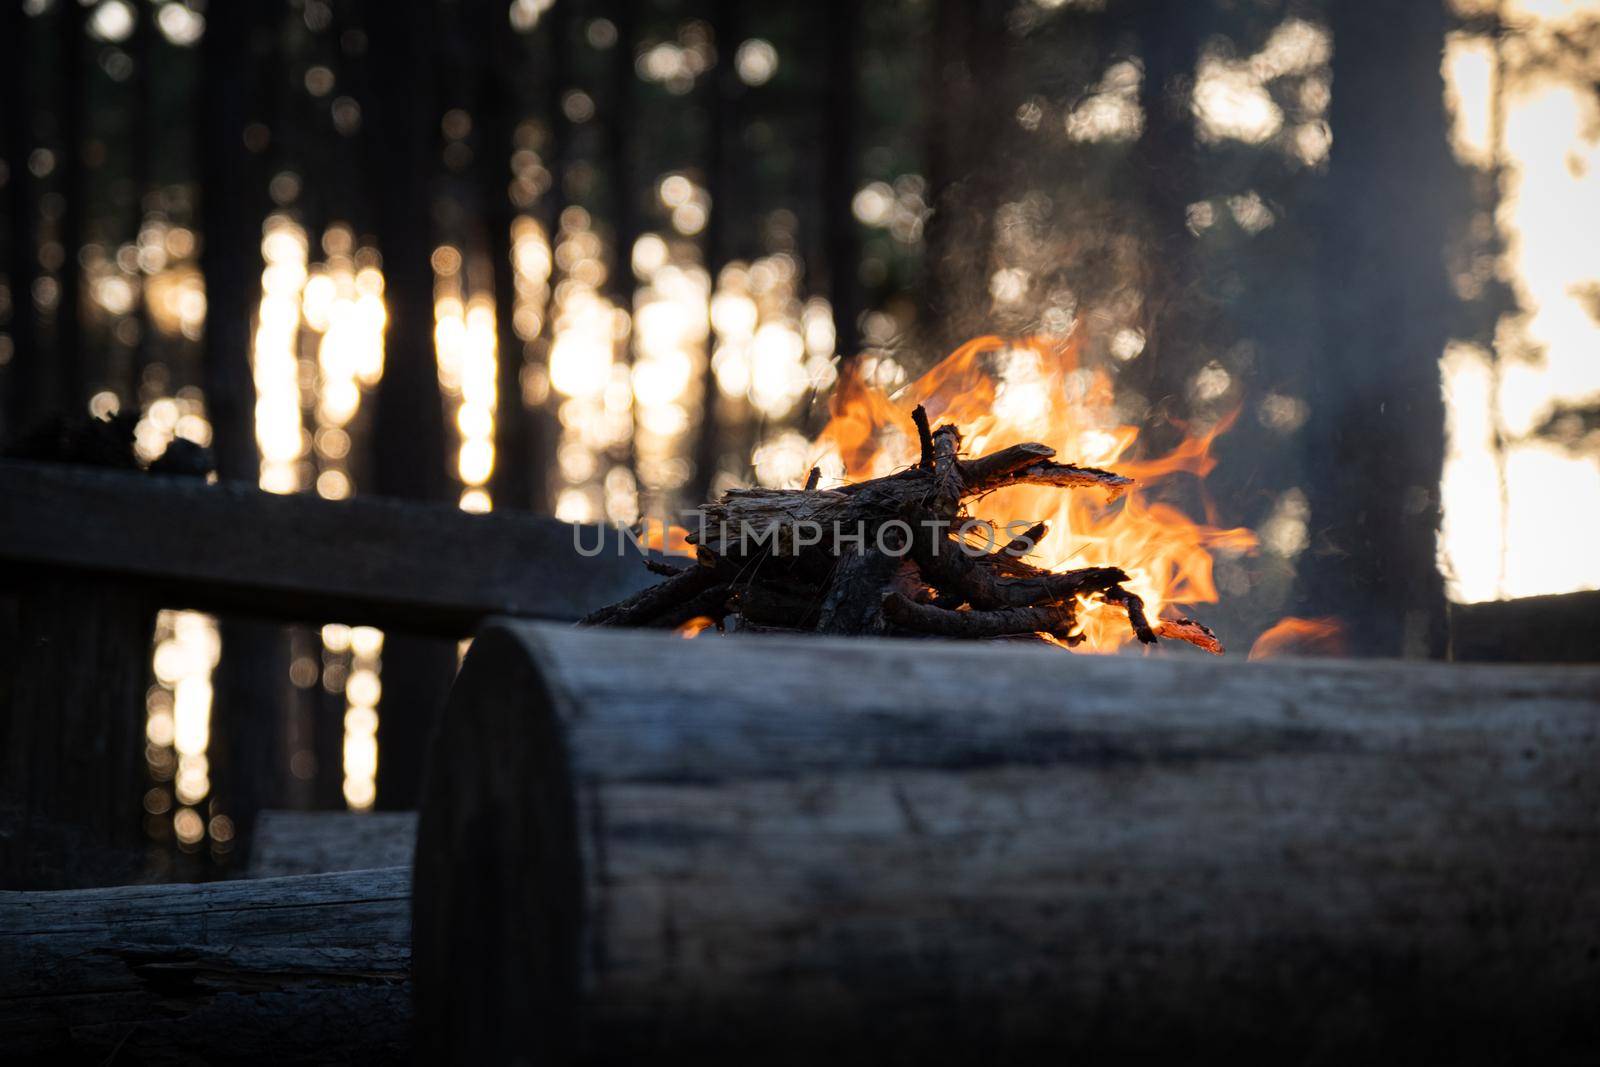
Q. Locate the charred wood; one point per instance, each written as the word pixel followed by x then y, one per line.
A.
pixel 647 604
pixel 930 619
pixel 893 554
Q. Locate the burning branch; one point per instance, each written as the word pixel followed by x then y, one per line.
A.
pixel 890 556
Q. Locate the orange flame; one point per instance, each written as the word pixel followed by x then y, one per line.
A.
pixel 668 538
pixel 695 626
pixel 1001 392
pixel 1295 636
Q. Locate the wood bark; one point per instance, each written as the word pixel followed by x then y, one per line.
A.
pixel 800 850
pixel 298 970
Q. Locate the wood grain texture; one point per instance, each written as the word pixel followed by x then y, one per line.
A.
pixel 317 842
pixel 928 851
pixel 295 970
pixel 414 567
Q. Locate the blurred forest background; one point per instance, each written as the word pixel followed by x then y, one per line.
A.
pixel 602 258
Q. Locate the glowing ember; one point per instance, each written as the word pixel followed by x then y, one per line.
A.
pixel 695 626
pixel 1300 637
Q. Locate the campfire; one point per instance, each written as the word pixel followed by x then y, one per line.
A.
pixel 987 500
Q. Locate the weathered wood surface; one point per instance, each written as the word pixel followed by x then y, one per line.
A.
pixel 316 842
pixel 635 845
pixel 72 761
pixel 415 567
pixel 291 970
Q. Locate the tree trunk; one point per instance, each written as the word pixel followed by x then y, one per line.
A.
pixel 722 166
pixel 521 459
pixel 968 93
pixel 24 376
pixel 249 724
pixel 1178 313
pixel 249 710
pixel 1375 439
pixel 231 211
pixel 819 850
pixel 141 146
pixel 619 126
pixel 295 970
pixel 74 736
pixel 840 176
pixel 409 426
pixel 72 103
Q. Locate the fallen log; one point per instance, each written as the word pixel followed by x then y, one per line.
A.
pixel 317 842
pixel 314 969
pixel 824 850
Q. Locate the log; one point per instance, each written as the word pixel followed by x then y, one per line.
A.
pixel 229 547
pixel 823 850
pixel 298 970
pixel 319 842
pixel 932 619
pixel 1561 628
pixel 98 549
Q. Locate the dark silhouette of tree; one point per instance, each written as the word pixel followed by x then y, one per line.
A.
pixel 232 204
pixel 968 112
pixel 141 135
pixel 842 238
pixel 519 478
pixel 72 103
pixel 248 747
pixel 1375 439
pixel 555 150
pixel 408 430
pixel 403 134
pixel 719 240
pixel 22 246
pixel 1178 313
pixel 621 179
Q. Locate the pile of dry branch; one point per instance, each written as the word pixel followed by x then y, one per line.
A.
pixel 888 556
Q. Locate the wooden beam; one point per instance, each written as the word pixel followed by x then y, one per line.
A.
pixel 316 842
pixel 841 850
pixel 228 547
pixel 296 970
